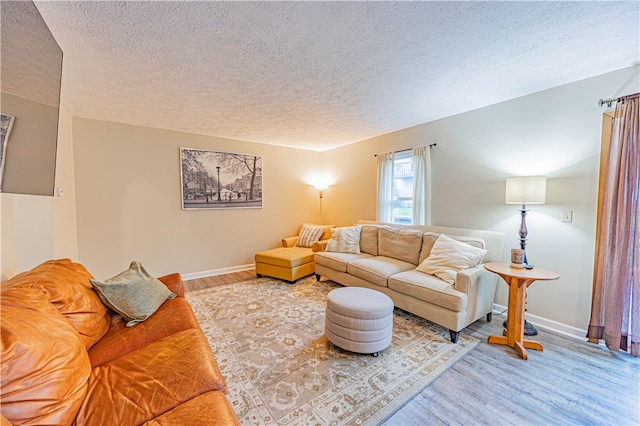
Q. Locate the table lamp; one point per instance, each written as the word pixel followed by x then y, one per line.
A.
pixel 526 190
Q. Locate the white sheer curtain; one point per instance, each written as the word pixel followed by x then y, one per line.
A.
pixel 422 186
pixel 385 187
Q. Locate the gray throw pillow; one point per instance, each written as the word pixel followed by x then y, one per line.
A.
pixel 134 293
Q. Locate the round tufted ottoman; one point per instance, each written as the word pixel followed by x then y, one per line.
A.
pixel 359 319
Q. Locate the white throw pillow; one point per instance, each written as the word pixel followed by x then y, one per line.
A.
pixel 449 256
pixel 345 240
pixel 309 234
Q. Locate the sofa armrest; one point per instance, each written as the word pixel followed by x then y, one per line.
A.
pixel 480 287
pixel 289 241
pixel 174 283
pixel 470 279
pixel 319 246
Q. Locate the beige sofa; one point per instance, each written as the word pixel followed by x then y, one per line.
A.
pixel 389 255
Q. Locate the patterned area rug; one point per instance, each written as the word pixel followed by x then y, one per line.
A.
pixel 268 339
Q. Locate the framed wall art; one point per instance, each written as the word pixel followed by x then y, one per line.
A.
pixel 6 122
pixel 220 180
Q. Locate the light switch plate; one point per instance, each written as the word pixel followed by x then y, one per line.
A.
pixel 567 216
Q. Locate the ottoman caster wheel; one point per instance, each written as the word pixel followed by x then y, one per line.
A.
pixel 376 354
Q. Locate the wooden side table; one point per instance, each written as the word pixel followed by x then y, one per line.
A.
pixel 518 280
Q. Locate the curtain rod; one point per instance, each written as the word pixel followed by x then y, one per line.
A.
pixel 609 102
pixel 409 149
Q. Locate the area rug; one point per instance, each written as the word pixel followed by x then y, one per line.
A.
pixel 268 339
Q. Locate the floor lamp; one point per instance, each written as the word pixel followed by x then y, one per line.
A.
pixel 320 187
pixel 526 190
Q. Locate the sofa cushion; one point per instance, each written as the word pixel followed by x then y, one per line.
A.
pixel 134 293
pixel 429 239
pixel 377 269
pixel 338 261
pixel 68 289
pixel 429 288
pixel 44 364
pixel 345 240
pixel 401 244
pixel 369 239
pixel 448 257
pixel 211 409
pixel 173 316
pixel 150 381
pixel 309 234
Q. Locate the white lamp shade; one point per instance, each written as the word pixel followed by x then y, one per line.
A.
pixel 526 190
pixel 320 186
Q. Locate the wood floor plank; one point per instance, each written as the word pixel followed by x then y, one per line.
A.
pixel 571 382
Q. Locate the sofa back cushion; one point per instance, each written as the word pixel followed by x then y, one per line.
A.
pixel 44 364
pixel 69 290
pixel 401 244
pixel 369 239
pixel 429 239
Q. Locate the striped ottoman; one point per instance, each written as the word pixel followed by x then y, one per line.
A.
pixel 359 319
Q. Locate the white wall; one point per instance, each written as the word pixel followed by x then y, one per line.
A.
pixel 555 133
pixel 38 228
pixel 129 201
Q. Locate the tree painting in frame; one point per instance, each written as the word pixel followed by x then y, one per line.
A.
pixel 6 122
pixel 220 180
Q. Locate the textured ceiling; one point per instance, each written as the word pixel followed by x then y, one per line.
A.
pixel 316 75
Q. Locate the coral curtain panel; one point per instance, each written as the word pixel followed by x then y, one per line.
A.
pixel 422 186
pixel 385 187
pixel 615 306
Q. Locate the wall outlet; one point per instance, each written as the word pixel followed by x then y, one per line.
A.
pixel 567 216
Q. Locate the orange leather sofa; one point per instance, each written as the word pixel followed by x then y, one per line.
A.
pixel 66 359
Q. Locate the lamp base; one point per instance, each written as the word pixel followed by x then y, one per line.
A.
pixel 529 329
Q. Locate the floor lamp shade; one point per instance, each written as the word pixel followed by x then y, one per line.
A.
pixel 526 190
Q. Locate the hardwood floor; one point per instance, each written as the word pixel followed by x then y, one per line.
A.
pixel 218 280
pixel 571 382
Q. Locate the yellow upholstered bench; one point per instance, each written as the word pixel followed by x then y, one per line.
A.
pixel 290 262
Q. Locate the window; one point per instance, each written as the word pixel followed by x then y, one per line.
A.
pixel 402 211
pixel 404 186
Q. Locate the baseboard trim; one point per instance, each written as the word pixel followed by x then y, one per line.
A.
pixel 221 271
pixel 547 324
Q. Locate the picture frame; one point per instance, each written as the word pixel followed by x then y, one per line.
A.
pixel 220 180
pixel 6 123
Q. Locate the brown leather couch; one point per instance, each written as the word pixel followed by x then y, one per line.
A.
pixel 66 359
